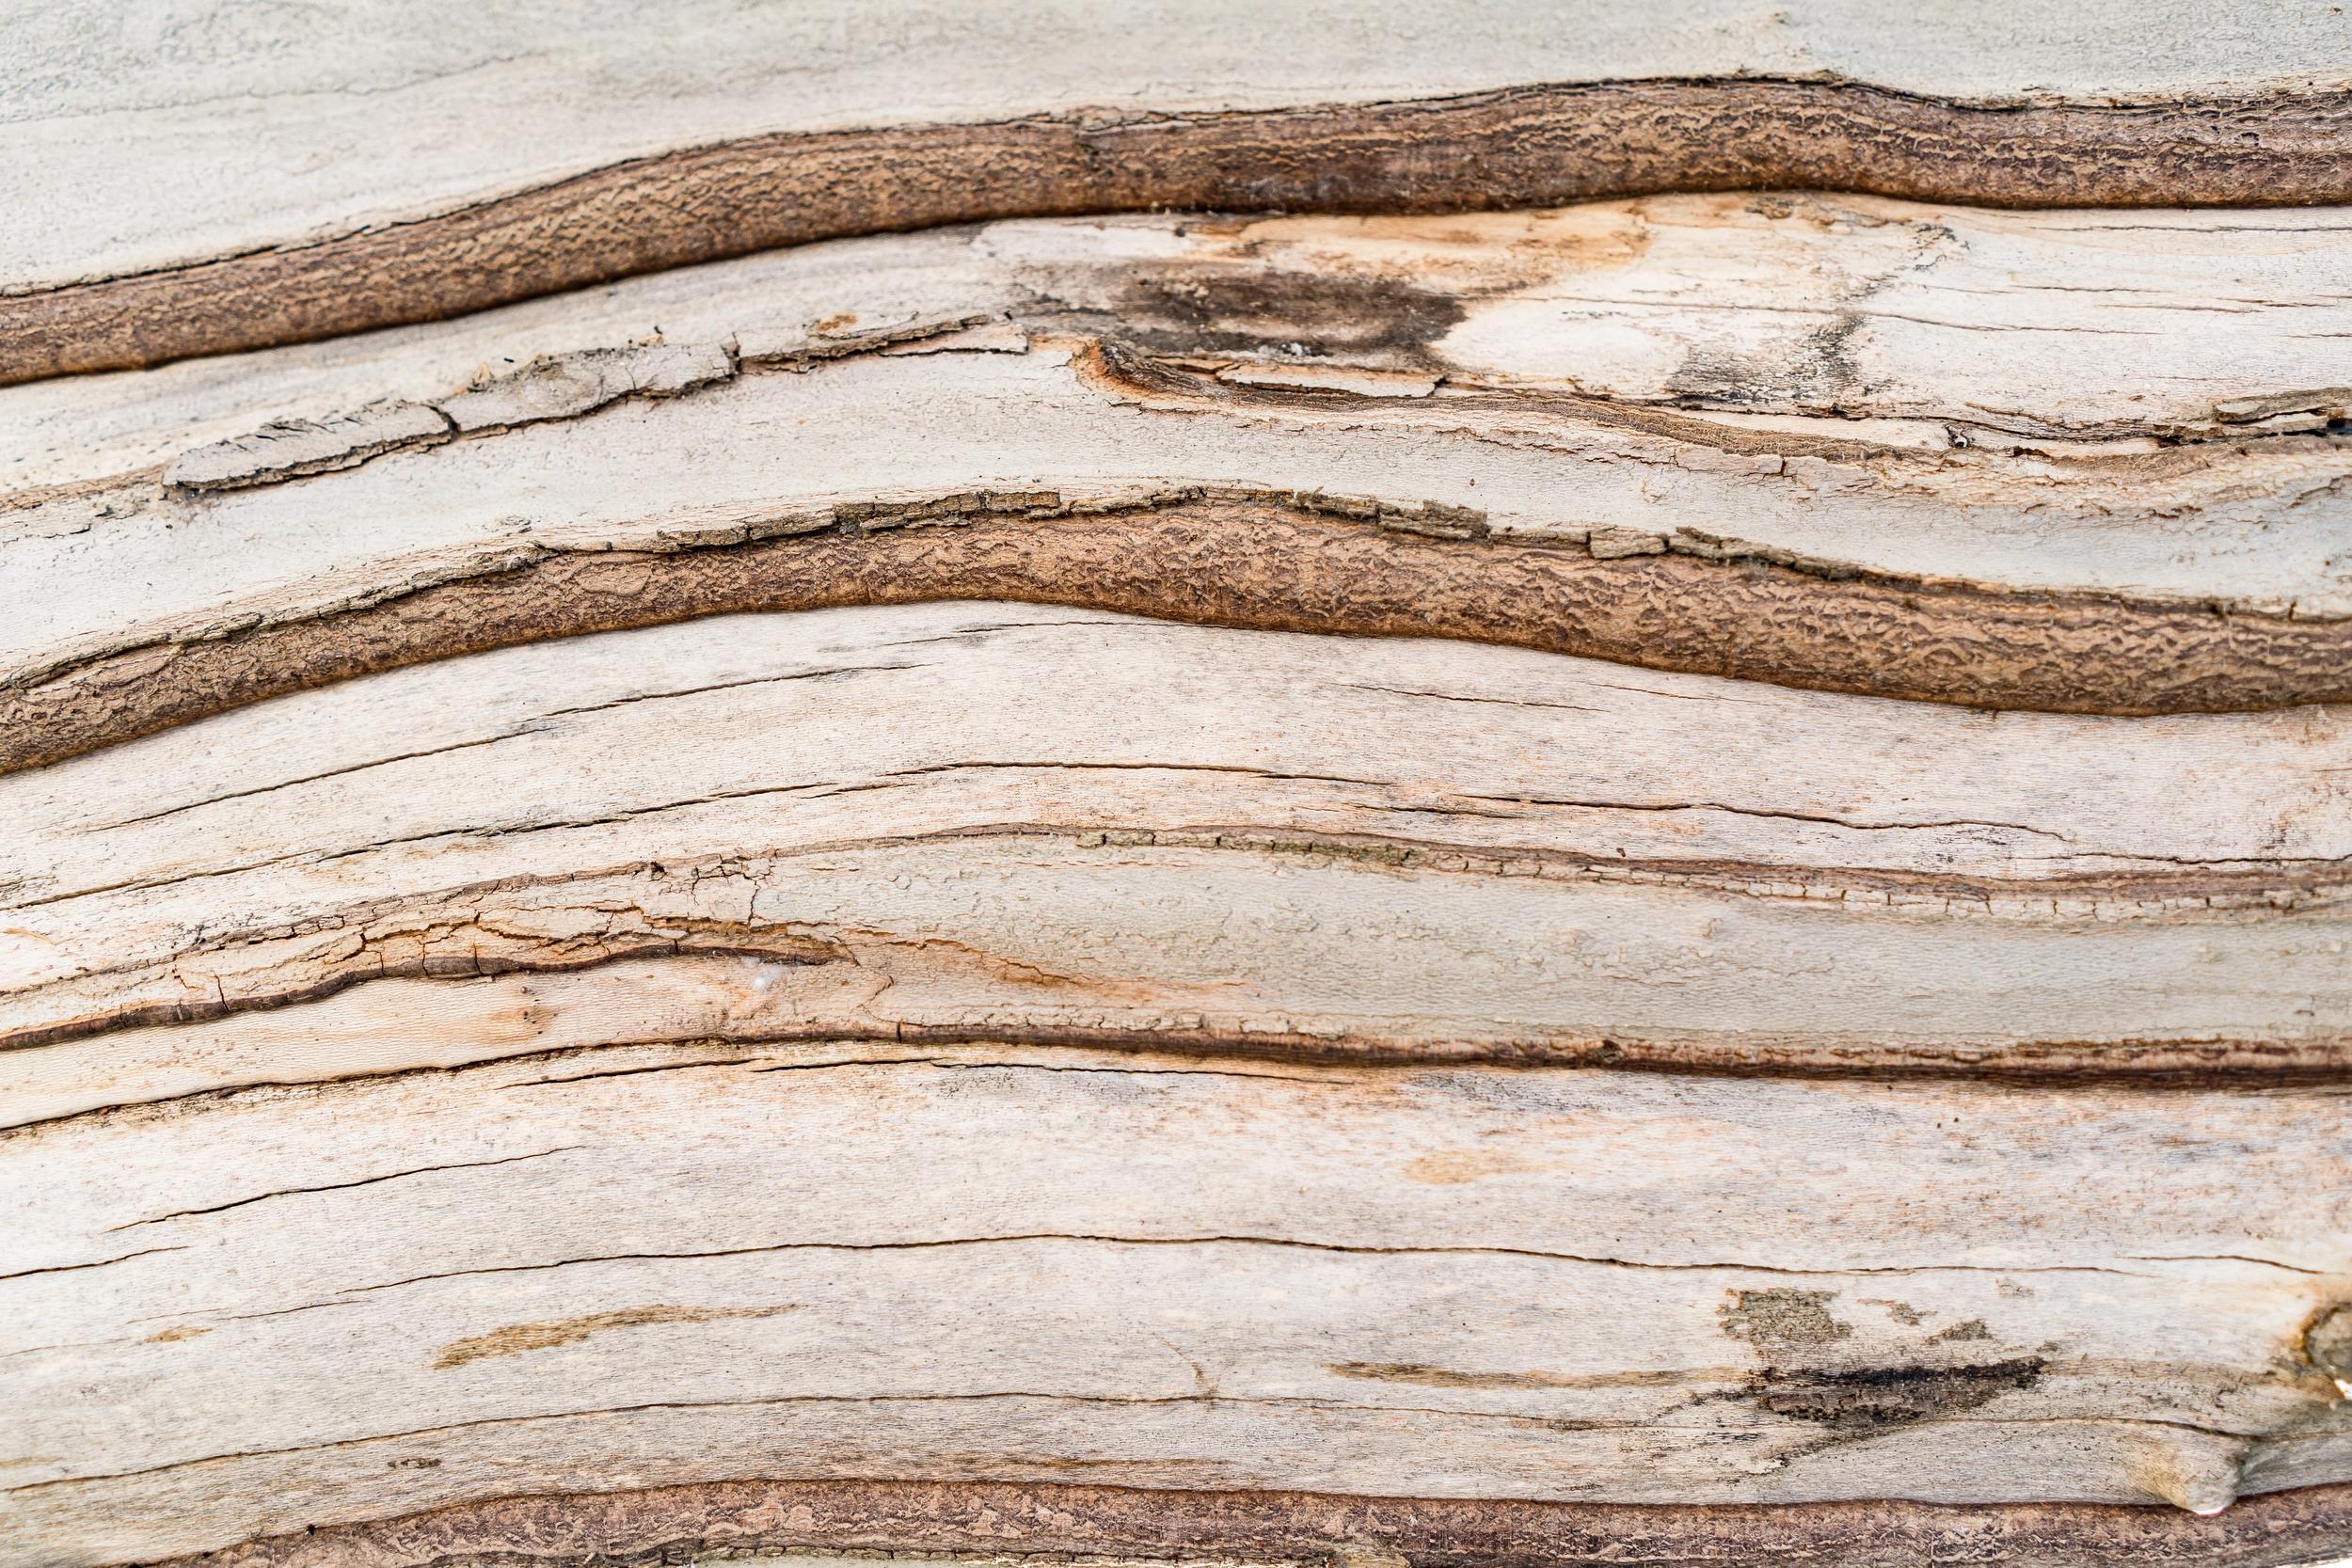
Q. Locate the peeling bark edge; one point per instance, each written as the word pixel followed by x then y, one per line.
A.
pixel 665 1524
pixel 1265 563
pixel 1536 146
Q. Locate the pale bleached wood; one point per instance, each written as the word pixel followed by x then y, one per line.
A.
pixel 1442 1282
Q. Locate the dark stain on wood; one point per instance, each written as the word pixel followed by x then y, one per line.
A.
pixel 1214 309
pixel 1879 1398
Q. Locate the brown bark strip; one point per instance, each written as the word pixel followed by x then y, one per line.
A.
pixel 1535 146
pixel 1271 563
pixel 625 1528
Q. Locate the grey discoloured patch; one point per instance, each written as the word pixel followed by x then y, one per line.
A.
pixel 2328 1342
pixel 1811 1375
pixel 1812 372
pixel 1783 1318
pixel 1219 309
pixel 1815 369
pixel 1441 1377
pixel 1877 1398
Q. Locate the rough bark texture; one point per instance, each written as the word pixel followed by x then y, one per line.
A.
pixel 1277 563
pixel 1007 1521
pixel 1603 818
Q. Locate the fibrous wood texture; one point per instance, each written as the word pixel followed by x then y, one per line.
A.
pixel 1605 818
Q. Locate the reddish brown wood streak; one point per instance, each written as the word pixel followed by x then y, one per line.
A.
pixel 1534 146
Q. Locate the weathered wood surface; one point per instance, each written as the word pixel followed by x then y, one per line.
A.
pixel 1166 1272
pixel 394 164
pixel 1656 879
pixel 1172 1272
pixel 922 816
pixel 1710 430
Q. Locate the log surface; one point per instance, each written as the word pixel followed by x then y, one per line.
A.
pixel 1429 786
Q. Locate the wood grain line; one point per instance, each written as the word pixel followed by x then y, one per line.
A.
pixel 457 936
pixel 1269 562
pixel 1533 145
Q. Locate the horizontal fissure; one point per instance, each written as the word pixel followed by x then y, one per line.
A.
pixel 1697 1433
pixel 469 933
pixel 2186 1065
pixel 1290 1242
pixel 339 1186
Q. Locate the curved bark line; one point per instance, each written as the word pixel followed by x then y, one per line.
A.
pixel 1529 147
pixel 2188 1065
pixel 658 1525
pixel 1265 563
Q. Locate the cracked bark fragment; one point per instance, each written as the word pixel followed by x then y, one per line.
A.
pixel 294 448
pixel 564 387
pixel 552 386
pixel 851 981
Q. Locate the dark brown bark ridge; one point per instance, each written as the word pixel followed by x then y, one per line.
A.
pixel 665 1524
